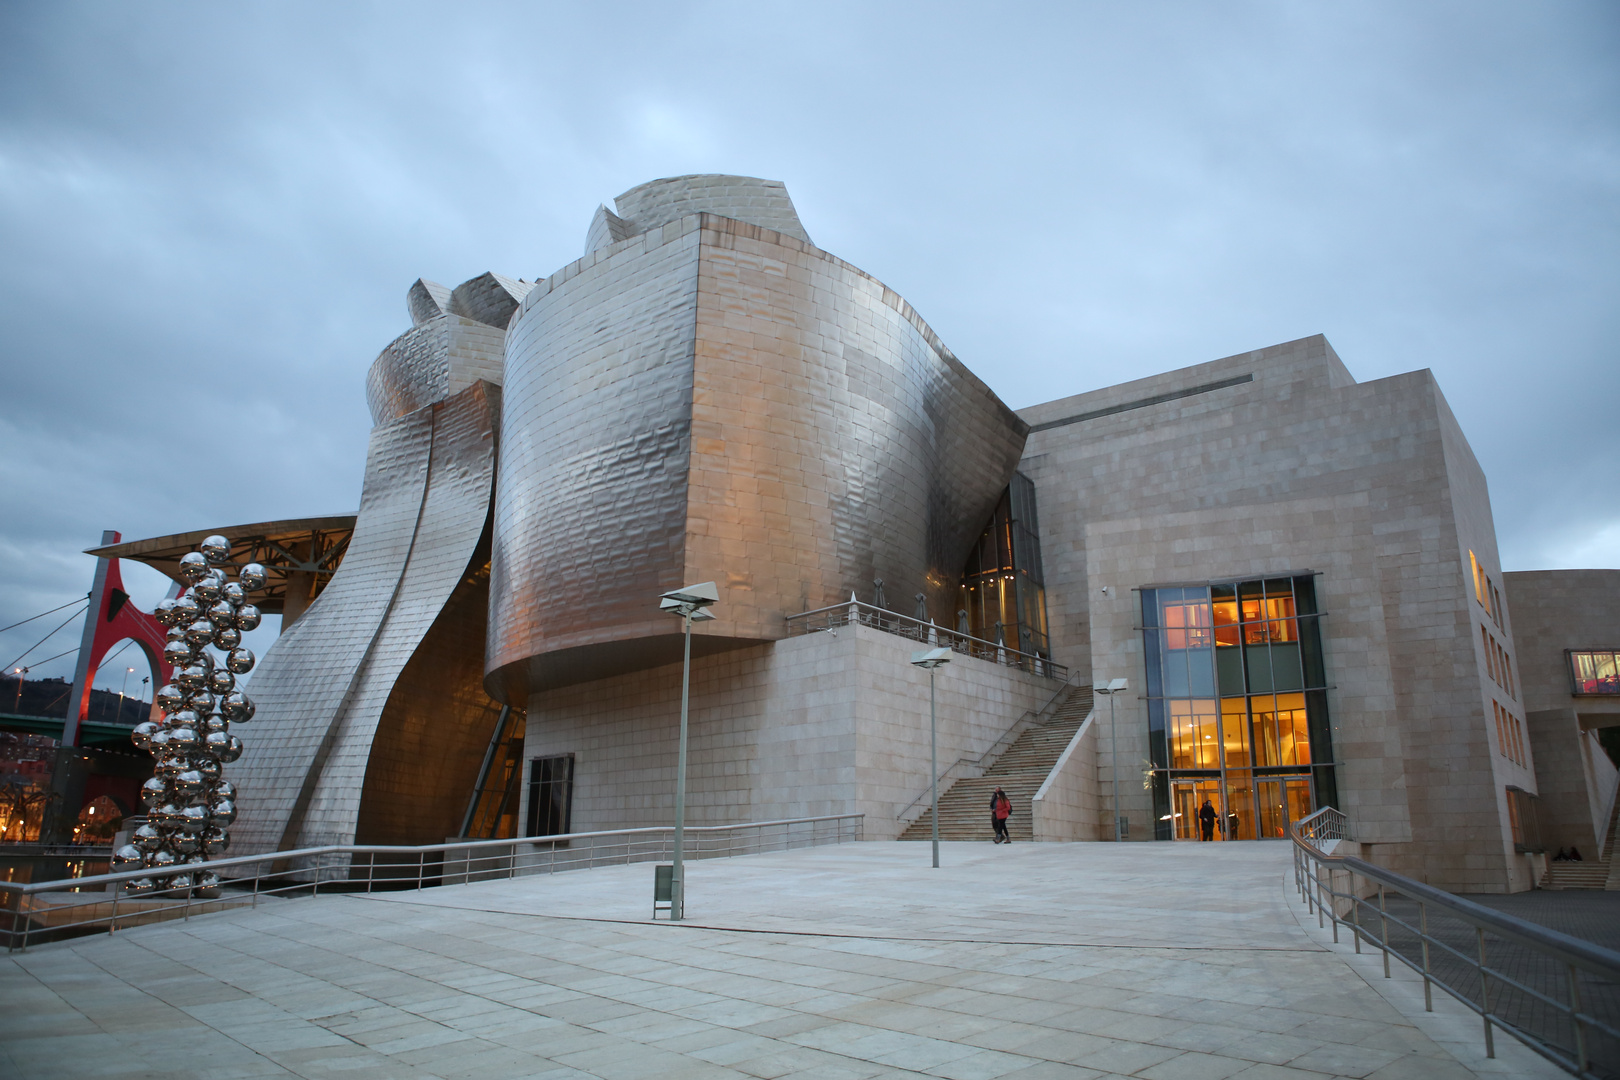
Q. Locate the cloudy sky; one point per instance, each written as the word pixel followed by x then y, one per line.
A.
pixel 210 214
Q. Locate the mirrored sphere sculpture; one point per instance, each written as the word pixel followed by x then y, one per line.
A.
pixel 190 803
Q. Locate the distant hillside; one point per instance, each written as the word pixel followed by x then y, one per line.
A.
pixel 48 697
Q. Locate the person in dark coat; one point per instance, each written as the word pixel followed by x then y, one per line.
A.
pixel 1000 811
pixel 1206 820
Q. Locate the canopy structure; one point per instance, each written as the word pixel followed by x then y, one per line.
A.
pixel 300 556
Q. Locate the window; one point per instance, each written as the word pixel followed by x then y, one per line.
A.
pixel 1524 820
pixel 1003 591
pixel 1237 707
pixel 1594 671
pixel 551 795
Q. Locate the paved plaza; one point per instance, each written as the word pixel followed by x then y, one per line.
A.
pixel 1162 961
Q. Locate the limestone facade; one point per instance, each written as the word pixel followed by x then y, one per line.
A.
pixel 1558 611
pixel 1278 461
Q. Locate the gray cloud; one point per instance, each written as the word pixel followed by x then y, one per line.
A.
pixel 210 216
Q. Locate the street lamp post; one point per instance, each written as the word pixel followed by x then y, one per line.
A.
pixel 928 660
pixel 22 674
pixel 691 603
pixel 1111 688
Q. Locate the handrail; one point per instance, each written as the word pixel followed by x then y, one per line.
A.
pixel 102 902
pixel 29 888
pixel 856 612
pixel 1595 1038
pixel 997 748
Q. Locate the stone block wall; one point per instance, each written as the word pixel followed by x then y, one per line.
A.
pixel 828 723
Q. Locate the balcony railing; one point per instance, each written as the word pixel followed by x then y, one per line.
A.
pixel 1557 994
pixel 926 633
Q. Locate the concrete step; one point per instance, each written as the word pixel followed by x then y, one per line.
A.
pixel 964 808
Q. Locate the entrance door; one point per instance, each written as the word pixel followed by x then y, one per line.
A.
pixel 1188 797
pixel 1283 800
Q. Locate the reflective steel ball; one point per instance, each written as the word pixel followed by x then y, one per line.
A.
pixel 153 793
pixel 188 783
pixel 214 722
pixel 160 857
pixel 232 751
pixel 227 638
pixel 193 677
pixel 201 702
pixel 221 682
pixel 184 740
pixel 237 707
pixel 208 886
pixel 224 812
pixel 147 837
pixel 216 841
pixel 159 742
pixel 170 697
pixel 163 611
pixel 207 589
pixel 140 885
pixel 225 789
pixel 200 632
pixel 222 614
pixel 252 577
pixel 193 819
pixel 194 566
pixel 248 617
pixel 128 857
pixel 169 764
pixel 187 843
pixel 180 881
pixel 185 609
pixel 233 594
pixel 240 661
pixel 186 717
pixel 141 736
pixel 177 653
pixel 216 549
pixel 210 769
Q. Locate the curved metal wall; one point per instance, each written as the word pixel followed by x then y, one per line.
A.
pixel 714 400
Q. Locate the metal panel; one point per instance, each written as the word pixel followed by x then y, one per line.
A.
pixel 323 687
pixel 720 401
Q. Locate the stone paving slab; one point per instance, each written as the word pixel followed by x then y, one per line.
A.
pixel 1072 961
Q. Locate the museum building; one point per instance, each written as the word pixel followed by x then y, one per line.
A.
pixel 1295 573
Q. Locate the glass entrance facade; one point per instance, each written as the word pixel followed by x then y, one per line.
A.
pixel 1237 708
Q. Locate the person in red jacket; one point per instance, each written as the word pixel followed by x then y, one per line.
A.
pixel 1000 810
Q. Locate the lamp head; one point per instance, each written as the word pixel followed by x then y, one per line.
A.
pixel 690 600
pixel 928 659
pixel 1112 686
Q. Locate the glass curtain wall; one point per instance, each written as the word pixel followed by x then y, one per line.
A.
pixel 1237 708
pixel 1003 589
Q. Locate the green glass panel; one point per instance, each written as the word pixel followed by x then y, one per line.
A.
pixel 1285 666
pixel 1229 671
pixel 1257 659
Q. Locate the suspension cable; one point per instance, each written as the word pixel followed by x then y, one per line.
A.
pixel 42 614
pixel 46 638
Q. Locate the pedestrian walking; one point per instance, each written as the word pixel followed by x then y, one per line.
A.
pixel 1000 811
pixel 1206 820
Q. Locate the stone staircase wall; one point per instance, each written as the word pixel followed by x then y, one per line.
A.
pixel 1598 873
pixel 1020 771
pixel 1069 804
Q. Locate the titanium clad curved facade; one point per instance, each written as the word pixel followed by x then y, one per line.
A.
pixel 331 707
pixel 715 400
pixel 430 362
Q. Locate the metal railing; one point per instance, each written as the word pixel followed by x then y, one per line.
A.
pixel 857 613
pixel 53 910
pixel 974 767
pixel 1557 994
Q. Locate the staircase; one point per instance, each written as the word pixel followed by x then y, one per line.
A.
pixel 964 808
pixel 1589 873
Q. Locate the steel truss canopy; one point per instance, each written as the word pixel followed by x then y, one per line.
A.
pixel 299 554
